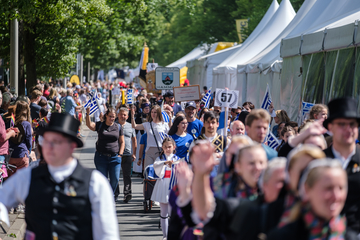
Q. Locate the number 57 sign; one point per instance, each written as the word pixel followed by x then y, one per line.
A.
pixel 226 98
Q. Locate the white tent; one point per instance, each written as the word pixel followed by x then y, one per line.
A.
pixel 254 75
pixel 225 73
pixel 200 70
pixel 195 53
pixel 267 66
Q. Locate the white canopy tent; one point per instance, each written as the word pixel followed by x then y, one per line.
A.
pixel 225 73
pixel 195 53
pixel 267 66
pixel 320 79
pixel 200 70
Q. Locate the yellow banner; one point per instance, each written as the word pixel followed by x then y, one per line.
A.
pixel 241 24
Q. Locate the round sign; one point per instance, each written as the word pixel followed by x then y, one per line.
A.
pixel 226 98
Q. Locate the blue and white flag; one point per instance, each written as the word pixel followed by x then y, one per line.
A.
pixel 173 179
pixel 272 141
pixel 163 136
pixel 267 99
pixel 305 109
pixel 165 116
pixel 92 103
pixel 130 93
pixel 206 99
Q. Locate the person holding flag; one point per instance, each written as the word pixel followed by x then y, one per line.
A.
pixel 109 146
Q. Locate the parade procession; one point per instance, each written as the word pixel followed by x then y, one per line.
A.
pixel 180 120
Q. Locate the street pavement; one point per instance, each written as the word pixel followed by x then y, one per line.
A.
pixel 134 224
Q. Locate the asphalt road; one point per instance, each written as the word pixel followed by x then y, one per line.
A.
pixel 134 224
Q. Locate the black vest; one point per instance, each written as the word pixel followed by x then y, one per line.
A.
pixel 352 204
pixel 59 210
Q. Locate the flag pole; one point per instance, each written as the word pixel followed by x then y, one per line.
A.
pixel 225 122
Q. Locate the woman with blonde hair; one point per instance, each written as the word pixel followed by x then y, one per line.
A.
pixel 21 144
pixel 154 126
pixel 317 215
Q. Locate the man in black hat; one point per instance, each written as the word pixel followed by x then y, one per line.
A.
pixel 169 99
pixel 63 199
pixel 343 123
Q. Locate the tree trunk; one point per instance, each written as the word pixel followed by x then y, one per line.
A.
pixel 30 55
pixel 95 75
pixel 21 60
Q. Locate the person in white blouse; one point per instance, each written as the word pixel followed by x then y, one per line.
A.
pixel 63 199
pixel 154 126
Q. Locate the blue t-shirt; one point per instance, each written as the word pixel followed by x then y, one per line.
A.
pixel 182 144
pixel 143 140
pixel 70 105
pixel 194 128
pixel 270 153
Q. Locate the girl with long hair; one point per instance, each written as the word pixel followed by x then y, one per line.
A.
pixel 154 125
pixel 182 139
pixel 21 145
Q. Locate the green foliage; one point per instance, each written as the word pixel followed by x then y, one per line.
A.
pixel 111 33
pixel 118 39
pixel 55 26
pixel 13 235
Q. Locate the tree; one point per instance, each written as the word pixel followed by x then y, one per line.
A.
pixel 118 39
pixel 50 32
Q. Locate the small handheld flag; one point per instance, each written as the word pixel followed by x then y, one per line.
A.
pixel 163 136
pixel 206 99
pixel 267 99
pixel 46 120
pixel 35 122
pixel 12 120
pixel 130 96
pixel 272 141
pixel 305 109
pixel 165 116
pixel 92 103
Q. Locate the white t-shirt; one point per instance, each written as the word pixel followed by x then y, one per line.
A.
pixel 158 127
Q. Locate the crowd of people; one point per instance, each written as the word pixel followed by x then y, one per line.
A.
pixel 231 185
pixel 214 180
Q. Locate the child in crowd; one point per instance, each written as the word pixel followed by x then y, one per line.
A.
pixel 163 167
pixel 318 111
pixel 286 132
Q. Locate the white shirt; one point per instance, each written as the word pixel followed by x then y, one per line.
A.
pixel 344 161
pixel 104 221
pixel 158 127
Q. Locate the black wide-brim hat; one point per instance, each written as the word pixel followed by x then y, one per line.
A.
pixel 345 107
pixel 65 124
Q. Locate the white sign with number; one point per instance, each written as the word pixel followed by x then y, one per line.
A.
pixel 226 98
